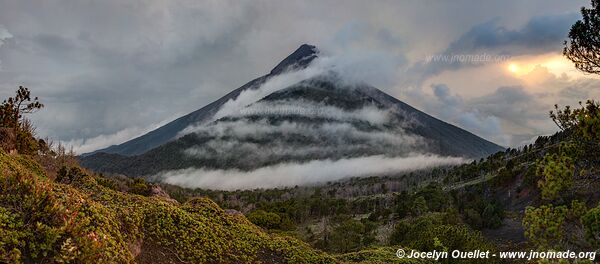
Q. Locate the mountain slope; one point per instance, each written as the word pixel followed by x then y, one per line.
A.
pixel 299 58
pixel 318 118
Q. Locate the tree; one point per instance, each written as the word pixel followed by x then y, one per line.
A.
pixel 583 49
pixel 11 118
pixel 584 121
pixel 419 206
pixel 13 108
pixel 583 46
pixel 556 171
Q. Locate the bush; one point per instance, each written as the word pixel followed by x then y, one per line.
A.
pixel 68 175
pixel 265 219
pixel 139 186
pixel 433 231
pixel 544 226
pixel 351 235
pixel 26 143
pixel 591 223
pixel 584 121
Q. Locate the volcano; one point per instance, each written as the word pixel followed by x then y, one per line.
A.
pixel 294 114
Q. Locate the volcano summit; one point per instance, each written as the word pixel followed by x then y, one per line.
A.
pixel 302 112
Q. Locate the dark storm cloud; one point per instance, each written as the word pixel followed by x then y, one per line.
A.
pixel 540 34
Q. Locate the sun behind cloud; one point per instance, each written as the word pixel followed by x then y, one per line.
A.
pixel 553 62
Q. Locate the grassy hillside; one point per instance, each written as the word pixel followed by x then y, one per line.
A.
pixel 81 219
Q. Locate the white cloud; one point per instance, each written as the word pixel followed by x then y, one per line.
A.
pixel 291 174
pixel 370 114
pixel 274 84
pixel 234 141
pixel 81 146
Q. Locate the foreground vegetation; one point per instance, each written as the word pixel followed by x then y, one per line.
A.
pixel 79 217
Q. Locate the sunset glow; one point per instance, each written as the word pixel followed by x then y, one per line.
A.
pixel 553 63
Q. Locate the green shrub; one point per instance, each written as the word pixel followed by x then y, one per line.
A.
pixel 40 221
pixel 544 226
pixel 351 235
pixel 265 219
pixel 434 231
pixel 139 186
pixel 591 223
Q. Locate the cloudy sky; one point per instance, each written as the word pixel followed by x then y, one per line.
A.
pixel 112 70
